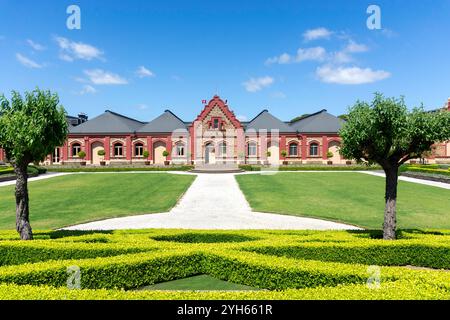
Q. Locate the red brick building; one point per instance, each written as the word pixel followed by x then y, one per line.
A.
pixel 215 136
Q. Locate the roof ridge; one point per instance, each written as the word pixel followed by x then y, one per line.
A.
pixel 122 116
pixel 309 115
pixel 167 110
pixel 265 110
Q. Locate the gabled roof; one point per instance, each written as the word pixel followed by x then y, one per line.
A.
pixel 318 122
pixel 108 122
pixel 167 122
pixel 266 121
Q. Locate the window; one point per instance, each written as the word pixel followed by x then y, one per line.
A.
pixel 118 150
pixel 180 150
pixel 252 149
pixel 216 123
pixel 56 156
pixel 293 150
pixel 76 148
pixel 222 149
pixel 138 150
pixel 313 149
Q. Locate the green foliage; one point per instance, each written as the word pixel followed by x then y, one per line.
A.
pixel 330 154
pixel 328 168
pixel 119 169
pixel 146 154
pixel 165 153
pixel 444 172
pixel 249 167
pixel 32 170
pixel 288 264
pixel 385 131
pixel 81 154
pixel 300 117
pixel 101 152
pixel 31 127
pixel 343 117
pixel 283 153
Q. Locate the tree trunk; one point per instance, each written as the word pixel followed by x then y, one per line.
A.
pixel 23 226
pixel 390 211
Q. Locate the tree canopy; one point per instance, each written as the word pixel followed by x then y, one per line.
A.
pixel 31 126
pixel 384 131
pixel 387 133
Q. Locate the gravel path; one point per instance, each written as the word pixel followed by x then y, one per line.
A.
pixel 214 201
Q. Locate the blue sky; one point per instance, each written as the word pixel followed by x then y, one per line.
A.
pixel 291 57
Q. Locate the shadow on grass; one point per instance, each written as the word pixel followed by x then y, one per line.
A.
pixel 59 234
pixel 401 233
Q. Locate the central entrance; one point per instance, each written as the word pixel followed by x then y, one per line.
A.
pixel 210 156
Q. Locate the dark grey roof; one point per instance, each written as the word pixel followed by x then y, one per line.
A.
pixel 266 121
pixel 167 122
pixel 108 122
pixel 318 122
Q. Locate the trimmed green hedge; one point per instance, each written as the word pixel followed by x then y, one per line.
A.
pixel 248 167
pixel 118 169
pixel 427 170
pixel 32 170
pixel 289 264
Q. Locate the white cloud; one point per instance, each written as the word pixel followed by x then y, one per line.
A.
pixel 70 50
pixel 318 33
pixel 87 89
pixel 143 72
pixel 36 46
pixel 28 62
pixel 350 75
pixel 242 117
pixel 282 59
pixel 308 54
pixel 314 54
pixel 354 47
pixel 101 77
pixel 257 84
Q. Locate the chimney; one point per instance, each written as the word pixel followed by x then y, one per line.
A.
pixel 82 118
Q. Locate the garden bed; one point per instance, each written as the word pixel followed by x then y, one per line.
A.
pixel 285 264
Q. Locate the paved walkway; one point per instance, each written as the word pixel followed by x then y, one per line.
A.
pixel 414 180
pixel 214 201
pixel 40 177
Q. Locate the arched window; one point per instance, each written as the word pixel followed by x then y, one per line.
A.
pixel 138 150
pixel 180 149
pixel 293 152
pixel 118 150
pixel 313 149
pixel 76 148
pixel 251 149
pixel 222 149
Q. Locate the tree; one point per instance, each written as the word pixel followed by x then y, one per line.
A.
pixel 30 129
pixel 385 132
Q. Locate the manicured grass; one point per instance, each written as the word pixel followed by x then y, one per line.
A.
pixel 79 198
pixel 201 282
pixel 354 198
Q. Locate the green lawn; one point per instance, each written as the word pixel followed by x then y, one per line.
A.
pixel 78 198
pixel 349 197
pixel 200 282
